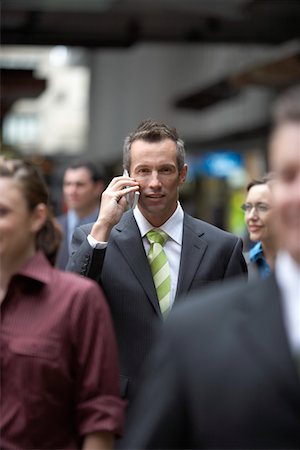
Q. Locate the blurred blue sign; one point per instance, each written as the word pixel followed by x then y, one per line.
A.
pixel 220 164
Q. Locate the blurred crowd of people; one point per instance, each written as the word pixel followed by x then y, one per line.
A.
pixel 144 327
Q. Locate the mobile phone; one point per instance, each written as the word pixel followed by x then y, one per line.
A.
pixel 133 197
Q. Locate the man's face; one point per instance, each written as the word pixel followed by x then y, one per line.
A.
pixel 285 162
pixel 81 193
pixel 154 166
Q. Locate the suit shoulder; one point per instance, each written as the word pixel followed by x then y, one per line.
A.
pixel 76 286
pixel 71 279
pixel 200 226
pixel 206 308
pixel 203 308
pixel 62 219
pixel 80 297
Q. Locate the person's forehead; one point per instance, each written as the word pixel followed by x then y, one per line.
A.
pixel 12 189
pixel 153 149
pixel 259 190
pixel 164 141
pixel 80 173
pixel 285 144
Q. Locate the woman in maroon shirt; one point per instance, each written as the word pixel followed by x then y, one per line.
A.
pixel 59 372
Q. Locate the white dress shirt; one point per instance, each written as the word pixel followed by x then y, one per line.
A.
pixel 72 221
pixel 287 273
pixel 174 229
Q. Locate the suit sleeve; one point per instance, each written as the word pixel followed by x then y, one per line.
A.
pixel 84 259
pixel 236 263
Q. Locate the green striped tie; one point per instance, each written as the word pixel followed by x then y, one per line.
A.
pixel 160 268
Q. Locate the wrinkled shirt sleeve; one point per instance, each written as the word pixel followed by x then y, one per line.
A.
pixel 98 403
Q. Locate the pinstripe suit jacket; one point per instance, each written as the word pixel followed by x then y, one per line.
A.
pixel 208 255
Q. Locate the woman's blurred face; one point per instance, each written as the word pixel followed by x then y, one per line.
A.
pixel 18 225
pixel 259 217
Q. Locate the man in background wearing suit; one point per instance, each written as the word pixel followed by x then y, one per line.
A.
pixel 82 188
pixel 226 370
pixel 114 249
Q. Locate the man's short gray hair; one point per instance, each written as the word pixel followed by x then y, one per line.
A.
pixel 152 131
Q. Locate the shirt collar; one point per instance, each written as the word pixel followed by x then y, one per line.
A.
pixel 173 226
pixel 37 268
pixel 74 219
pixel 256 252
pixel 287 273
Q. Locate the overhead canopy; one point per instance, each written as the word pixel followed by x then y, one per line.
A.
pixel 121 23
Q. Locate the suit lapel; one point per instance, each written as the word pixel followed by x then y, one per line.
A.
pixel 193 249
pixel 265 335
pixel 131 246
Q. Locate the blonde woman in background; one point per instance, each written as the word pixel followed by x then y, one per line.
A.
pixel 259 219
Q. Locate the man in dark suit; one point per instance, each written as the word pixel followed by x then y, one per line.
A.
pixel 82 187
pixel 226 371
pixel 114 249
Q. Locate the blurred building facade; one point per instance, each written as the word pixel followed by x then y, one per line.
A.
pixel 211 69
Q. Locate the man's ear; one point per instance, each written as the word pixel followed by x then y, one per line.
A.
pixel 39 217
pixel 182 174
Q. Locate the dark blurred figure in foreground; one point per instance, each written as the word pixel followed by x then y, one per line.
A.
pixel 59 371
pixel 259 218
pixel 82 188
pixel 226 371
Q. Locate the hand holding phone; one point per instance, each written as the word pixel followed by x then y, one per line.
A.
pixel 133 197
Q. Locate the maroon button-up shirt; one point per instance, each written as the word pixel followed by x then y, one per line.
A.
pixel 59 373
